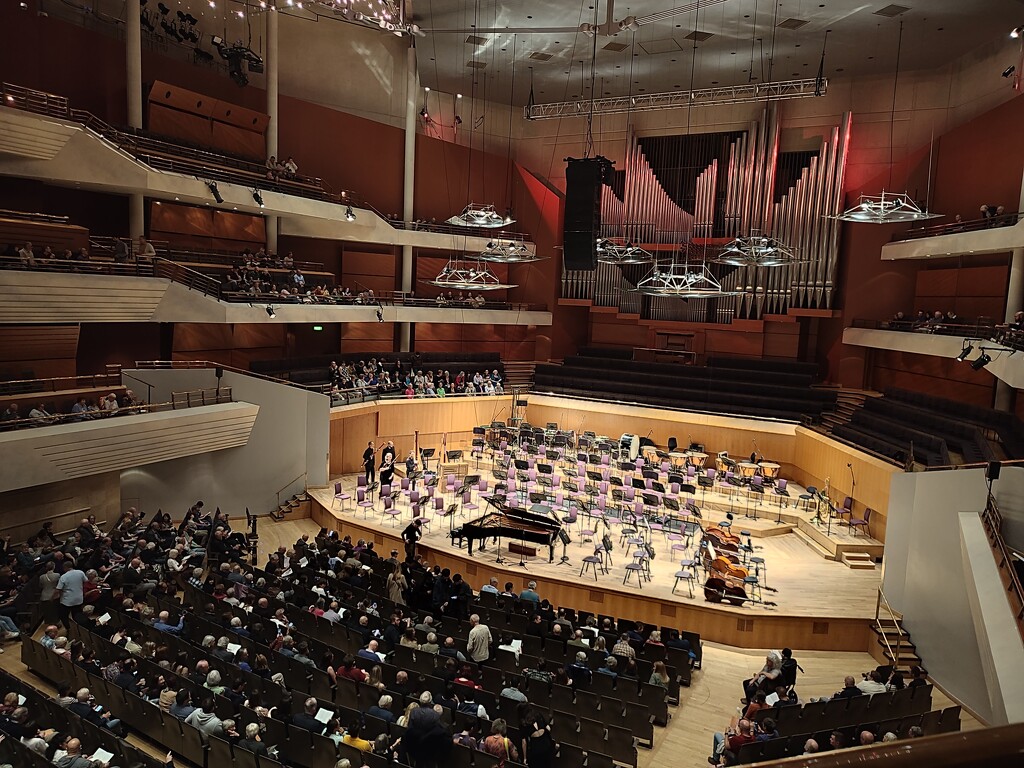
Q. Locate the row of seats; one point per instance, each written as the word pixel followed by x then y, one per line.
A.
pixel 873 443
pixel 1007 426
pixel 962 437
pixel 931 723
pixel 929 449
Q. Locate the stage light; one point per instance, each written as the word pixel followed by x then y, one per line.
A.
pixel 963 355
pixel 271 312
pixel 257 197
pixel 981 362
pixel 350 214
pixel 1009 70
pixel 380 315
pixel 212 186
pixel 1016 32
pixel 458 95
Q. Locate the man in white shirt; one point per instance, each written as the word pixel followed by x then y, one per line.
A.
pixel 492 587
pixel 39 413
pixel 871 684
pixel 71 592
pixel 27 256
pixel 110 403
pixel 145 249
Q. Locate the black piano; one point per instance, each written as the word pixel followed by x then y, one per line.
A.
pixel 512 524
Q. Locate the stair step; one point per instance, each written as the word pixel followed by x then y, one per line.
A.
pixel 813 544
pixel 905 657
pixel 858 561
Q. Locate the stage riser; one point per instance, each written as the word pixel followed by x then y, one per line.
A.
pixel 740 627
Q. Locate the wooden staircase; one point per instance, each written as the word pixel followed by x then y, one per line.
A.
pixel 893 645
pixel 519 375
pixel 847 402
pixel 297 503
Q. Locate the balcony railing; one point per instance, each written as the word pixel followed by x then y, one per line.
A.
pixel 956 227
pixel 993 522
pixel 59 384
pixel 178 401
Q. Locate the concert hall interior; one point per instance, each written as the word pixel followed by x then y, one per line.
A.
pixel 489 384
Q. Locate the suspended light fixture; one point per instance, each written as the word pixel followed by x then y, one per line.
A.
pixel 886 208
pixel 889 208
pixel 501 251
pixel 683 281
pixel 758 250
pixel 462 274
pixel 483 216
pixel 609 252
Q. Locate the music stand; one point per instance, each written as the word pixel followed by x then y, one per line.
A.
pixel 638 483
pixel 425 455
pixel 451 456
pixel 563 536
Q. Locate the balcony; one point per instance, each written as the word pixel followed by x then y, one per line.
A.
pixel 189 424
pixel 993 235
pixel 43 137
pixel 1006 364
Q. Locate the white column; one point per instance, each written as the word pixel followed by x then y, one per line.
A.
pixel 136 218
pixel 271 70
pixel 412 89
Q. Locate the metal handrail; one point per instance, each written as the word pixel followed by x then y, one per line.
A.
pixel 57 383
pixel 992 521
pixel 191 279
pixel 895 657
pixel 157 365
pixel 221 395
pixel 956 227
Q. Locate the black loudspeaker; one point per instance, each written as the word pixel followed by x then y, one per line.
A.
pixel 992 471
pixel 581 227
pixel 219 372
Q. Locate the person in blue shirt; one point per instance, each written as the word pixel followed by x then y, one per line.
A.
pixel 530 593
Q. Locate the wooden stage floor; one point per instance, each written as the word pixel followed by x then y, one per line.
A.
pixel 808 585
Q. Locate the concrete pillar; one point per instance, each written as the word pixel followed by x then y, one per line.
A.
pixel 133 62
pixel 412 89
pixel 271 71
pixel 136 218
pixel 1014 303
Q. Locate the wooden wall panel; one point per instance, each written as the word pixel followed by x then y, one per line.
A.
pixel 38 351
pixel 382 332
pixel 349 435
pixel 819 459
pixel 606 331
pixel 733 344
pixel 933 375
pixel 194 227
pixel 22 512
pixel 235 345
pixel 971 291
pixel 364 263
pixel 59 237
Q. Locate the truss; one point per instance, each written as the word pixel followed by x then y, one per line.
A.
pixel 700 97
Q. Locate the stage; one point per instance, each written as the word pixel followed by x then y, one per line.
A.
pixel 820 603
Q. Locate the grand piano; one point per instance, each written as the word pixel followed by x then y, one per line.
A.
pixel 512 524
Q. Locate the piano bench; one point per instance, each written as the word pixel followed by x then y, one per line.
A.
pixel 521 549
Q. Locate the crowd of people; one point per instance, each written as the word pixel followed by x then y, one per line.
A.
pixel 390 379
pixel 774 685
pixel 29 256
pixel 278 169
pixel 84 409
pixel 926 322
pixel 468 300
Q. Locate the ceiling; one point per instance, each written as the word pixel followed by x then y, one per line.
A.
pixel 538 42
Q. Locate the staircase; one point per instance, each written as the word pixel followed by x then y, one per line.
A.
pixel 519 375
pixel 300 502
pixel 893 645
pixel 847 401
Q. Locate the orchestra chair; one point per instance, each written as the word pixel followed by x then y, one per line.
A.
pixel 467 498
pixel 847 508
pixel 639 567
pixel 756 486
pixel 385 490
pixel 405 486
pixel 856 523
pixel 760 568
pixel 678 543
pixel 391 511
pixel 806 497
pixel 340 495
pixel 362 501
pixel 593 562
pixel 449 484
pixel 753 586
pixel 780 492
pixel 684 575
pixel 415 503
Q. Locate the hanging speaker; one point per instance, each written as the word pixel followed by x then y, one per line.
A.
pixel 992 471
pixel 582 223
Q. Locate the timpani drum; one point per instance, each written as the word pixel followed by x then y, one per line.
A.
pixel 722 465
pixel 769 470
pixel 631 445
pixel 696 459
pixel 746 470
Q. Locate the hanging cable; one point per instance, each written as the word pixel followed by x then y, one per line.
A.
pixel 895 82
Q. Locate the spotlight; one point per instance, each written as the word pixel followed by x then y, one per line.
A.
pixel 271 312
pixel 963 355
pixel 1009 70
pixel 350 214
pixel 415 31
pixel 1016 32
pixel 458 95
pixel 629 23
pixel 380 315
pixel 212 186
pixel 588 29
pixel 257 197
pixel 981 362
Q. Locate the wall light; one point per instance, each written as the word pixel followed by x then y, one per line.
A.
pixel 981 362
pixel 257 197
pixel 271 312
pixel 212 186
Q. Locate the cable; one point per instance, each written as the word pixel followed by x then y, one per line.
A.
pixel 895 82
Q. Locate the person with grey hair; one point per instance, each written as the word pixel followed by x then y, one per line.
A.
pixel 213 683
pixel 431 645
pixel 382 709
pixel 530 593
pixel 306 719
pixel 479 643
pixel 579 671
pixel 251 740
